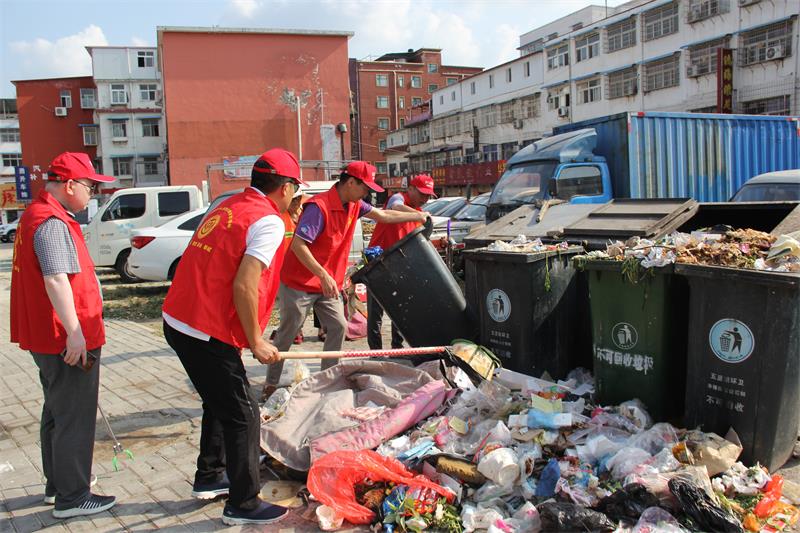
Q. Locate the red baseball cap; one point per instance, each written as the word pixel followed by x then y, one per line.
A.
pixel 73 166
pixel 365 172
pixel 281 162
pixel 424 184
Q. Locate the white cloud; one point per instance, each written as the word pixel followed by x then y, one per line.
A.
pixel 138 41
pixel 67 56
pixel 245 8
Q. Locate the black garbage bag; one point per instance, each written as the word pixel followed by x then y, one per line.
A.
pixel 563 516
pixel 627 504
pixel 701 508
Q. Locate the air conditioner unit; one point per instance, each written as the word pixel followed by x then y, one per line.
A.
pixel 776 52
pixel 563 111
pixel 518 124
pixel 692 71
pixel 61 111
pixel 743 3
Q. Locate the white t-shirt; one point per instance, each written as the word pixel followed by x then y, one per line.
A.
pixel 264 236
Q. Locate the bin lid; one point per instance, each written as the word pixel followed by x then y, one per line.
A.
pixel 783 280
pixel 483 254
pixel 522 221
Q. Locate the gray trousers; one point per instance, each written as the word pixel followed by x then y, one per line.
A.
pixel 294 305
pixel 67 429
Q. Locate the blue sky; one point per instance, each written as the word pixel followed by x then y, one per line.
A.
pixel 45 38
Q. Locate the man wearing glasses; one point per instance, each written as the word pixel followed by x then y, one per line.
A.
pixel 219 303
pixel 316 262
pixel 57 314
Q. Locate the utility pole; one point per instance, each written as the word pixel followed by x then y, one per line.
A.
pixel 299 134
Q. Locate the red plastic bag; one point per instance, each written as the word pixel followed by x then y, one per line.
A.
pixel 772 494
pixel 332 479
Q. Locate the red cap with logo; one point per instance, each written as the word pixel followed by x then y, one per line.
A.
pixel 282 163
pixel 424 184
pixel 365 172
pixel 73 166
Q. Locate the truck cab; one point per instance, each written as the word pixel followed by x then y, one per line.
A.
pixel 561 167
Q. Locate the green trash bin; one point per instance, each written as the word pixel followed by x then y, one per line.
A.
pixel 639 334
pixel 744 358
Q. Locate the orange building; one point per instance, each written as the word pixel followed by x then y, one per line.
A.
pixel 230 94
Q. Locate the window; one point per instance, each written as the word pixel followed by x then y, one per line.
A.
pixel 453 96
pixel 507 150
pixel 125 207
pixel 437 127
pixel 441 99
pixel 452 126
pixel 779 105
pixel 527 69
pixel 145 58
pixel 401 80
pixel 172 203
pixel 530 106
pixel 452 81
pixel 661 74
pixel 147 92
pixel 432 87
pixel 416 101
pixel 382 145
pixel 487 116
pixel 122 166
pixel 507 112
pixel 9 135
pixel 491 81
pixel 192 223
pixel 553 99
pixel 589 91
pixel 703 9
pixel 12 160
pixel 118 95
pixel 587 47
pixel 150 127
pixel 383 123
pixel 703 58
pixel 472 87
pixel 416 82
pixel 90 136
pixel 150 167
pixel 66 98
pixel 660 22
pixel 490 152
pixel 508 75
pixel 558 56
pixel 580 180
pixel 432 67
pixel 766 44
pixel 622 83
pixel 119 129
pixel 380 167
pixel 382 102
pixel 402 123
pixel 401 102
pixel 382 80
pixel 88 99
pixel 622 35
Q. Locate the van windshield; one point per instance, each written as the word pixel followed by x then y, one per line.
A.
pixel 768 192
pixel 523 183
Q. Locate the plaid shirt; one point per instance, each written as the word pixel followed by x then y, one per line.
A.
pixel 55 249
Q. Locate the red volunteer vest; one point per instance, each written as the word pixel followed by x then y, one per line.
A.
pixel 331 248
pixel 385 235
pixel 34 323
pixel 201 294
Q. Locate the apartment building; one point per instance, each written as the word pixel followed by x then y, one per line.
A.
pixel 128 127
pixel 11 154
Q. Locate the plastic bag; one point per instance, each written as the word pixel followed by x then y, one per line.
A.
pixel 327 518
pixel 546 487
pixel 655 439
pixel 301 372
pixel 702 509
pixel 627 504
pixel 332 479
pixel 657 520
pixel 501 466
pixel 626 461
pixel 636 411
pixel 559 516
pixel 597 448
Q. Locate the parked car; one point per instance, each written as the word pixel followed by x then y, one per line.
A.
pixel 8 232
pixel 436 206
pixel 778 186
pixel 156 251
pixel 470 215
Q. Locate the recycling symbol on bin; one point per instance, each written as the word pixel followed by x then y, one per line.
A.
pixel 499 305
pixel 731 340
pixel 624 336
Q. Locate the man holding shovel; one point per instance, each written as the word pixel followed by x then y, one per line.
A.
pixel 219 303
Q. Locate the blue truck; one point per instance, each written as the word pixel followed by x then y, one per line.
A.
pixel 705 157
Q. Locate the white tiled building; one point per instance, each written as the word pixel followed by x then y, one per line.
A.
pixel 129 123
pixel 646 55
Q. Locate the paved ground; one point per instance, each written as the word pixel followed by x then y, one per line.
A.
pixel 154 412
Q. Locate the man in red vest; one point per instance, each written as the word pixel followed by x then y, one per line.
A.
pixel 57 314
pixel 386 235
pixel 219 303
pixel 317 260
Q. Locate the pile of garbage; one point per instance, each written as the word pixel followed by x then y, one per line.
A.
pixel 521 244
pixel 722 246
pixel 522 454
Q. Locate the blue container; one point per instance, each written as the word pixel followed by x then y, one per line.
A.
pixel 707 157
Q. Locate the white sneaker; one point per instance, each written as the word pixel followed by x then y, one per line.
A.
pixel 92 505
pixel 51 499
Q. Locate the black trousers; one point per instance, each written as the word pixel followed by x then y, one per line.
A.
pixel 229 436
pixel 374 323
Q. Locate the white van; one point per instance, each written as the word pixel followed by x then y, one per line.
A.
pixel 108 234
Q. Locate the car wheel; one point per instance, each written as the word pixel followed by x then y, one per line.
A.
pixel 122 268
pixel 172 269
pixel 11 235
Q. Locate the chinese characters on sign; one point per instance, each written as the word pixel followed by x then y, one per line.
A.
pixel 729 386
pixel 724 80
pixel 636 362
pixel 500 343
pixel 23 182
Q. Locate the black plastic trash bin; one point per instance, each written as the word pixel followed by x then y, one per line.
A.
pixel 744 358
pixel 532 309
pixel 418 292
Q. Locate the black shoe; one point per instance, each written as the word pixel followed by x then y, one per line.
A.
pixel 92 505
pixel 50 499
pixel 263 514
pixel 209 491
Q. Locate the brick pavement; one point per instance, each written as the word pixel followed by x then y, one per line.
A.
pixel 154 412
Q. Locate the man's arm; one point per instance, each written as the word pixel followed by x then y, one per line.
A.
pixel 245 300
pixel 300 249
pixel 59 291
pixel 396 216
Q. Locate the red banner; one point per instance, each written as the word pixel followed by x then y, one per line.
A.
pixel 486 173
pixel 724 80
